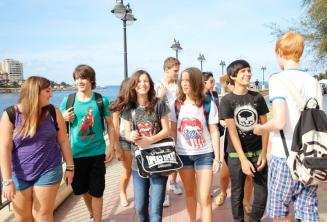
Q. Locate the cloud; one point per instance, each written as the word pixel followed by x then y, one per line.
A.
pixel 216 24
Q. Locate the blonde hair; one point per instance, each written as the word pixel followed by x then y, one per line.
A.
pixel 291 44
pixel 170 62
pixel 32 114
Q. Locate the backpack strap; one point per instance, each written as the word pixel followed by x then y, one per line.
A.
pixel 206 108
pixel 99 101
pixel 284 142
pixel 11 111
pixel 70 103
pixel 52 111
pixel 177 108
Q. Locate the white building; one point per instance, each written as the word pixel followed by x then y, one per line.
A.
pixel 14 69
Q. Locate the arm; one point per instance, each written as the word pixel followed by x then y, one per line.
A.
pixel 118 151
pixel 173 130
pixel 265 137
pixel 164 132
pixel 216 145
pixel 278 120
pixel 63 141
pixel 247 166
pixel 6 146
pixel 112 138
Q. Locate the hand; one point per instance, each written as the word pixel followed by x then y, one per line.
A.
pixel 258 130
pixel 119 154
pixel 9 191
pixel 162 91
pixel 109 155
pixel 69 177
pixel 69 115
pixel 223 123
pixel 247 167
pixel 216 167
pixel 134 136
pixel 144 142
pixel 262 160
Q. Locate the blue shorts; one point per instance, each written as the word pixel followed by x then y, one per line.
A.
pixel 201 161
pixel 124 144
pixel 48 178
pixel 283 190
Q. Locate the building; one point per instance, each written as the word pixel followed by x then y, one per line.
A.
pixel 14 70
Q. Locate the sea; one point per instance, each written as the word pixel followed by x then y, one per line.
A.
pixel 110 92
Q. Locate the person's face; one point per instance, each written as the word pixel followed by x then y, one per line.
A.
pixel 173 72
pixel 210 83
pixel 185 83
pixel 230 87
pixel 83 85
pixel 243 77
pixel 143 85
pixel 45 96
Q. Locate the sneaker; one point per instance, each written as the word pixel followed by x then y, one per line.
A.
pixel 166 203
pixel 91 218
pixel 176 188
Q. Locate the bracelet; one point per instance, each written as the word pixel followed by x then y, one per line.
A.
pixel 69 170
pixel 6 182
pixel 217 161
pixel 70 165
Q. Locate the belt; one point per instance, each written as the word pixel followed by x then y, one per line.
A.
pixel 249 154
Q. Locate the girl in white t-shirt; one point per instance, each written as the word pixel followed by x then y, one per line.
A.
pixel 197 141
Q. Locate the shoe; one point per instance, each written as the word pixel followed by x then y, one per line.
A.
pixel 91 218
pixel 220 199
pixel 176 188
pixel 247 208
pixel 166 203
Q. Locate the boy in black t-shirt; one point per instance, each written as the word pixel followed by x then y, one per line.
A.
pixel 242 110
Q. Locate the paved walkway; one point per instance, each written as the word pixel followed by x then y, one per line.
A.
pixel 73 208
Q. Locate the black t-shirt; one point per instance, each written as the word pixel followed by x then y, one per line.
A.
pixel 245 110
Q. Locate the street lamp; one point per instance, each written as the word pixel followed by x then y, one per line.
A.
pixel 176 46
pixel 263 68
pixel 222 64
pixel 125 14
pixel 201 58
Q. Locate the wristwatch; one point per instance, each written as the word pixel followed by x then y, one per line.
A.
pixel 6 182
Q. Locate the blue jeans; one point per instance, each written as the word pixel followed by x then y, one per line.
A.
pixel 149 190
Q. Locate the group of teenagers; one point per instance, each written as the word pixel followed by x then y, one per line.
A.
pixel 34 143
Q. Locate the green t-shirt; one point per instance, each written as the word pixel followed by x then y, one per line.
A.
pixel 86 133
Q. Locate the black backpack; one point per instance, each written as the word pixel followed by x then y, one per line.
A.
pixel 307 158
pixel 99 101
pixel 11 111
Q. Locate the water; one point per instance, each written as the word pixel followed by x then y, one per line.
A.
pixel 111 92
pixel 11 98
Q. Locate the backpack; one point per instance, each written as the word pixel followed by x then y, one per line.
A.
pixel 206 108
pixel 11 111
pixel 307 158
pixel 99 101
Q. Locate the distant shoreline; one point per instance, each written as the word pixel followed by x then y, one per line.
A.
pixel 16 90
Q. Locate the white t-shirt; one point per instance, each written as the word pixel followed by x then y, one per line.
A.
pixel 193 137
pixel 308 88
pixel 171 90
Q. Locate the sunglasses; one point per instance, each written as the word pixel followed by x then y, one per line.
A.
pixel 210 81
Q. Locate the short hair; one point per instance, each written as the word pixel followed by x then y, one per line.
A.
pixel 234 67
pixel 85 72
pixel 207 75
pixel 291 44
pixel 170 62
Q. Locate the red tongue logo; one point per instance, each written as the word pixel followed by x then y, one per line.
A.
pixel 192 131
pixel 145 129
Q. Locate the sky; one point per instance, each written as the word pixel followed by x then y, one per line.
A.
pixel 51 38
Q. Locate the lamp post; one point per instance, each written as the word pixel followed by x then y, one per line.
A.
pixel 201 58
pixel 125 14
pixel 176 46
pixel 263 68
pixel 222 64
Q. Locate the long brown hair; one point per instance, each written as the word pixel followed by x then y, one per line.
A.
pixel 196 84
pixel 132 98
pixel 122 98
pixel 32 114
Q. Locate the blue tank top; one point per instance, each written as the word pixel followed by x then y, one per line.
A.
pixel 32 157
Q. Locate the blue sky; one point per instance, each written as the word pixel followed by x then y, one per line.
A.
pixel 52 37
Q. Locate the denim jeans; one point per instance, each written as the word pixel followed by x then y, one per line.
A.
pixel 149 195
pixel 237 190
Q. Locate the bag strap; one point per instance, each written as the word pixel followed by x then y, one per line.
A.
pixel 99 101
pixel 52 112
pixel 70 103
pixel 11 111
pixel 293 91
pixel 284 142
pixel 133 114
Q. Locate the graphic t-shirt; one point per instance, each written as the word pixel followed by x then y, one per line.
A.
pixel 245 110
pixel 146 124
pixel 308 88
pixel 86 133
pixel 193 137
